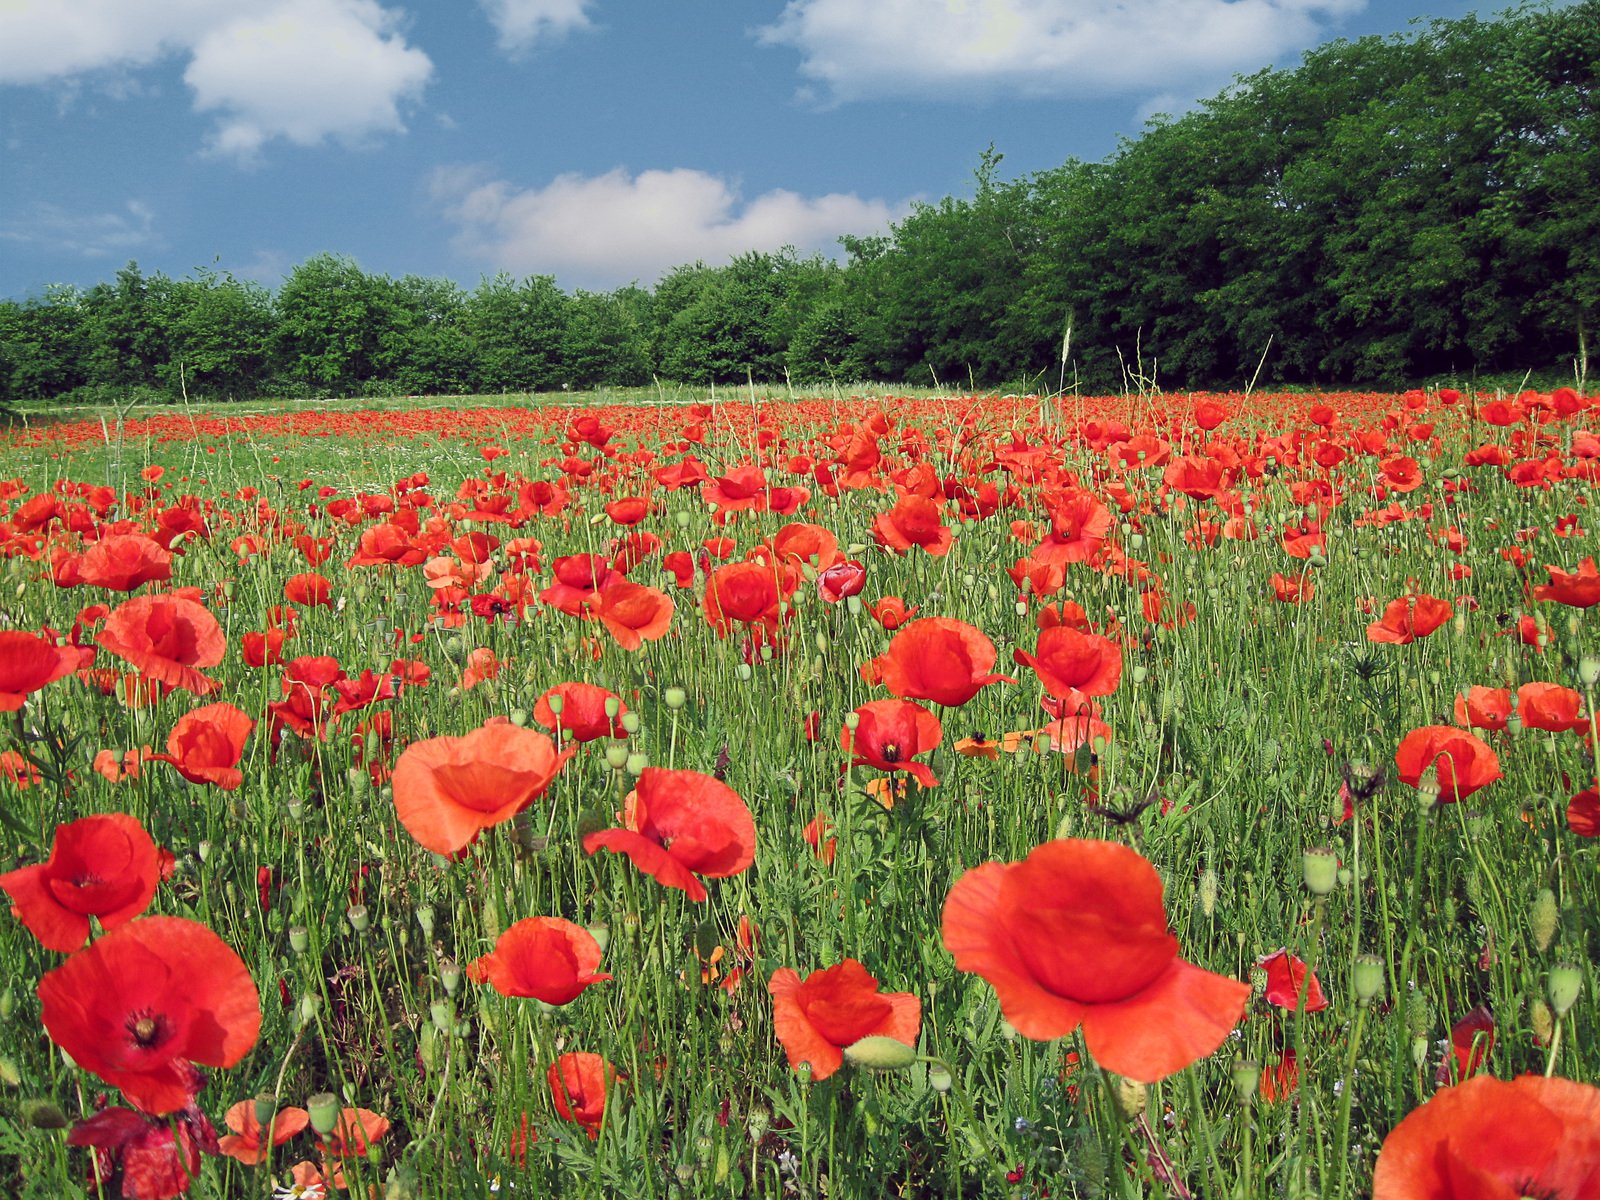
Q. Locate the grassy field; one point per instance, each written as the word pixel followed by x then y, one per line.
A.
pixel 947 795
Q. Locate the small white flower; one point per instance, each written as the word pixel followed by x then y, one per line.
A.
pixel 301 1191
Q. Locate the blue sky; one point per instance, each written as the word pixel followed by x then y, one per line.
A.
pixel 599 141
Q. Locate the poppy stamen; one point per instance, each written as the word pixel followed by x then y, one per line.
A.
pixel 146 1029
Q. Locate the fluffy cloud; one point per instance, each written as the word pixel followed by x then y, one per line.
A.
pixel 302 70
pixel 90 235
pixel 1036 47
pixel 604 230
pixel 520 23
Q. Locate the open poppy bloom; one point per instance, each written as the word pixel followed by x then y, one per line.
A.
pixel 158 1158
pixel 578 1086
pixel 544 958
pixel 816 1018
pixel 1071 664
pixel 167 637
pixel 104 866
pixel 583 712
pixel 124 561
pixel 247 1143
pixel 938 659
pixel 1075 934
pixel 889 734
pixel 1408 618
pixel 1462 762
pixel 206 745
pixel 1489 1139
pixel 1484 707
pixel 1551 707
pixel 1577 589
pixel 914 521
pixel 28 663
pixel 631 612
pixel 448 790
pixel 681 824
pixel 1287 982
pixel 148 999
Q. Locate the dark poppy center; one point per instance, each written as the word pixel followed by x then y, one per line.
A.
pixel 147 1029
pixel 891 752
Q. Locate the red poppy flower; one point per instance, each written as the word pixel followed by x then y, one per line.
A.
pixel 749 593
pixel 889 734
pixel 891 612
pixel 632 613
pixel 146 1000
pixel 545 958
pixel 123 562
pixel 1079 526
pixel 352 1137
pixel 1583 813
pixel 1076 934
pixel 1484 707
pixel 448 790
pixel 1292 590
pixel 681 824
pixel 816 1018
pixel 166 637
pixel 841 580
pixel 1287 982
pixel 938 659
pixel 578 1086
pixel 157 1159
pixel 1462 762
pixel 801 542
pixel 1071 664
pixel 1471 1040
pixel 309 589
pixel 27 664
pixel 246 1143
pixel 206 745
pixel 103 866
pixel 583 712
pixel 914 521
pixel 1408 618
pixel 1550 707
pixel 1489 1139
pixel 1578 589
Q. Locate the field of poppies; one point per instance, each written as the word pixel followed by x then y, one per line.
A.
pixel 1142 796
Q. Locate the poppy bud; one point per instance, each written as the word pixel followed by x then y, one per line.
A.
pixel 1419 1051
pixel 879 1053
pixel 443 1014
pixel 309 1006
pixel 601 933
pixel 356 914
pixel 744 672
pixel 8 1002
pixel 1542 1020
pixel 1320 867
pixel 450 976
pixel 1565 985
pixel 1544 919
pixel 939 1078
pixel 675 698
pixel 1367 975
pixel 1132 1098
pixel 323 1109
pixel 636 763
pixel 43 1114
pixel 1419 1015
pixel 630 723
pixel 1209 886
pixel 9 1074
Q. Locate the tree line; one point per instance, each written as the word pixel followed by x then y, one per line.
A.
pixel 1392 209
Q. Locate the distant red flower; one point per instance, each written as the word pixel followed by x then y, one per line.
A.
pixel 914 521
pixel 146 1000
pixel 583 712
pixel 1490 1139
pixel 682 824
pixel 1463 764
pixel 579 1084
pixel 125 561
pixel 245 1143
pixel 1578 589
pixel 102 866
pixel 167 637
pixel 1408 618
pixel 1076 934
pixel 1550 707
pixel 818 1017
pixel 1292 589
pixel 938 659
pixel 29 663
pixel 1471 1040
pixel 889 734
pixel 262 649
pixel 545 958
pixel 206 745
pixel 308 589
pixel 1286 982
pixel 448 790
pixel 891 612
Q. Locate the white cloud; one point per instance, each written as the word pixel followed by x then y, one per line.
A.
pixel 609 229
pixel 302 70
pixel 1037 48
pixel 89 235
pixel 520 23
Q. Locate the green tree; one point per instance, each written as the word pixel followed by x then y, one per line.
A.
pixel 332 320
pixel 219 334
pixel 516 332
pixel 607 340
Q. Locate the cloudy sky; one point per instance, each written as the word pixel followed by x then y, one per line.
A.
pixel 599 141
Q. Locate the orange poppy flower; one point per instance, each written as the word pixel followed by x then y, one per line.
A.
pixel 1583 813
pixel 1292 589
pixel 102 866
pixel 1578 589
pixel 889 734
pixel 544 958
pixel 938 659
pixel 816 1018
pixel 245 1143
pixel 681 824
pixel 167 637
pixel 1071 664
pixel 1463 763
pixel 448 790
pixel 1488 1138
pixel 891 612
pixel 1550 707
pixel 914 521
pixel 1408 618
pixel 1076 934
pixel 27 664
pixel 143 1002
pixel 749 593
pixel 206 745
pixel 632 613
pixel 578 1086
pixel 1287 982
pixel 1484 707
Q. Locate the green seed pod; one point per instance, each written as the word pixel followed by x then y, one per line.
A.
pixel 358 917
pixel 323 1109
pixel 675 698
pixel 939 1078
pixel 299 939
pixel 879 1053
pixel 1367 976
pixel 616 755
pixel 1246 1081
pixel 1320 867
pixel 1132 1098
